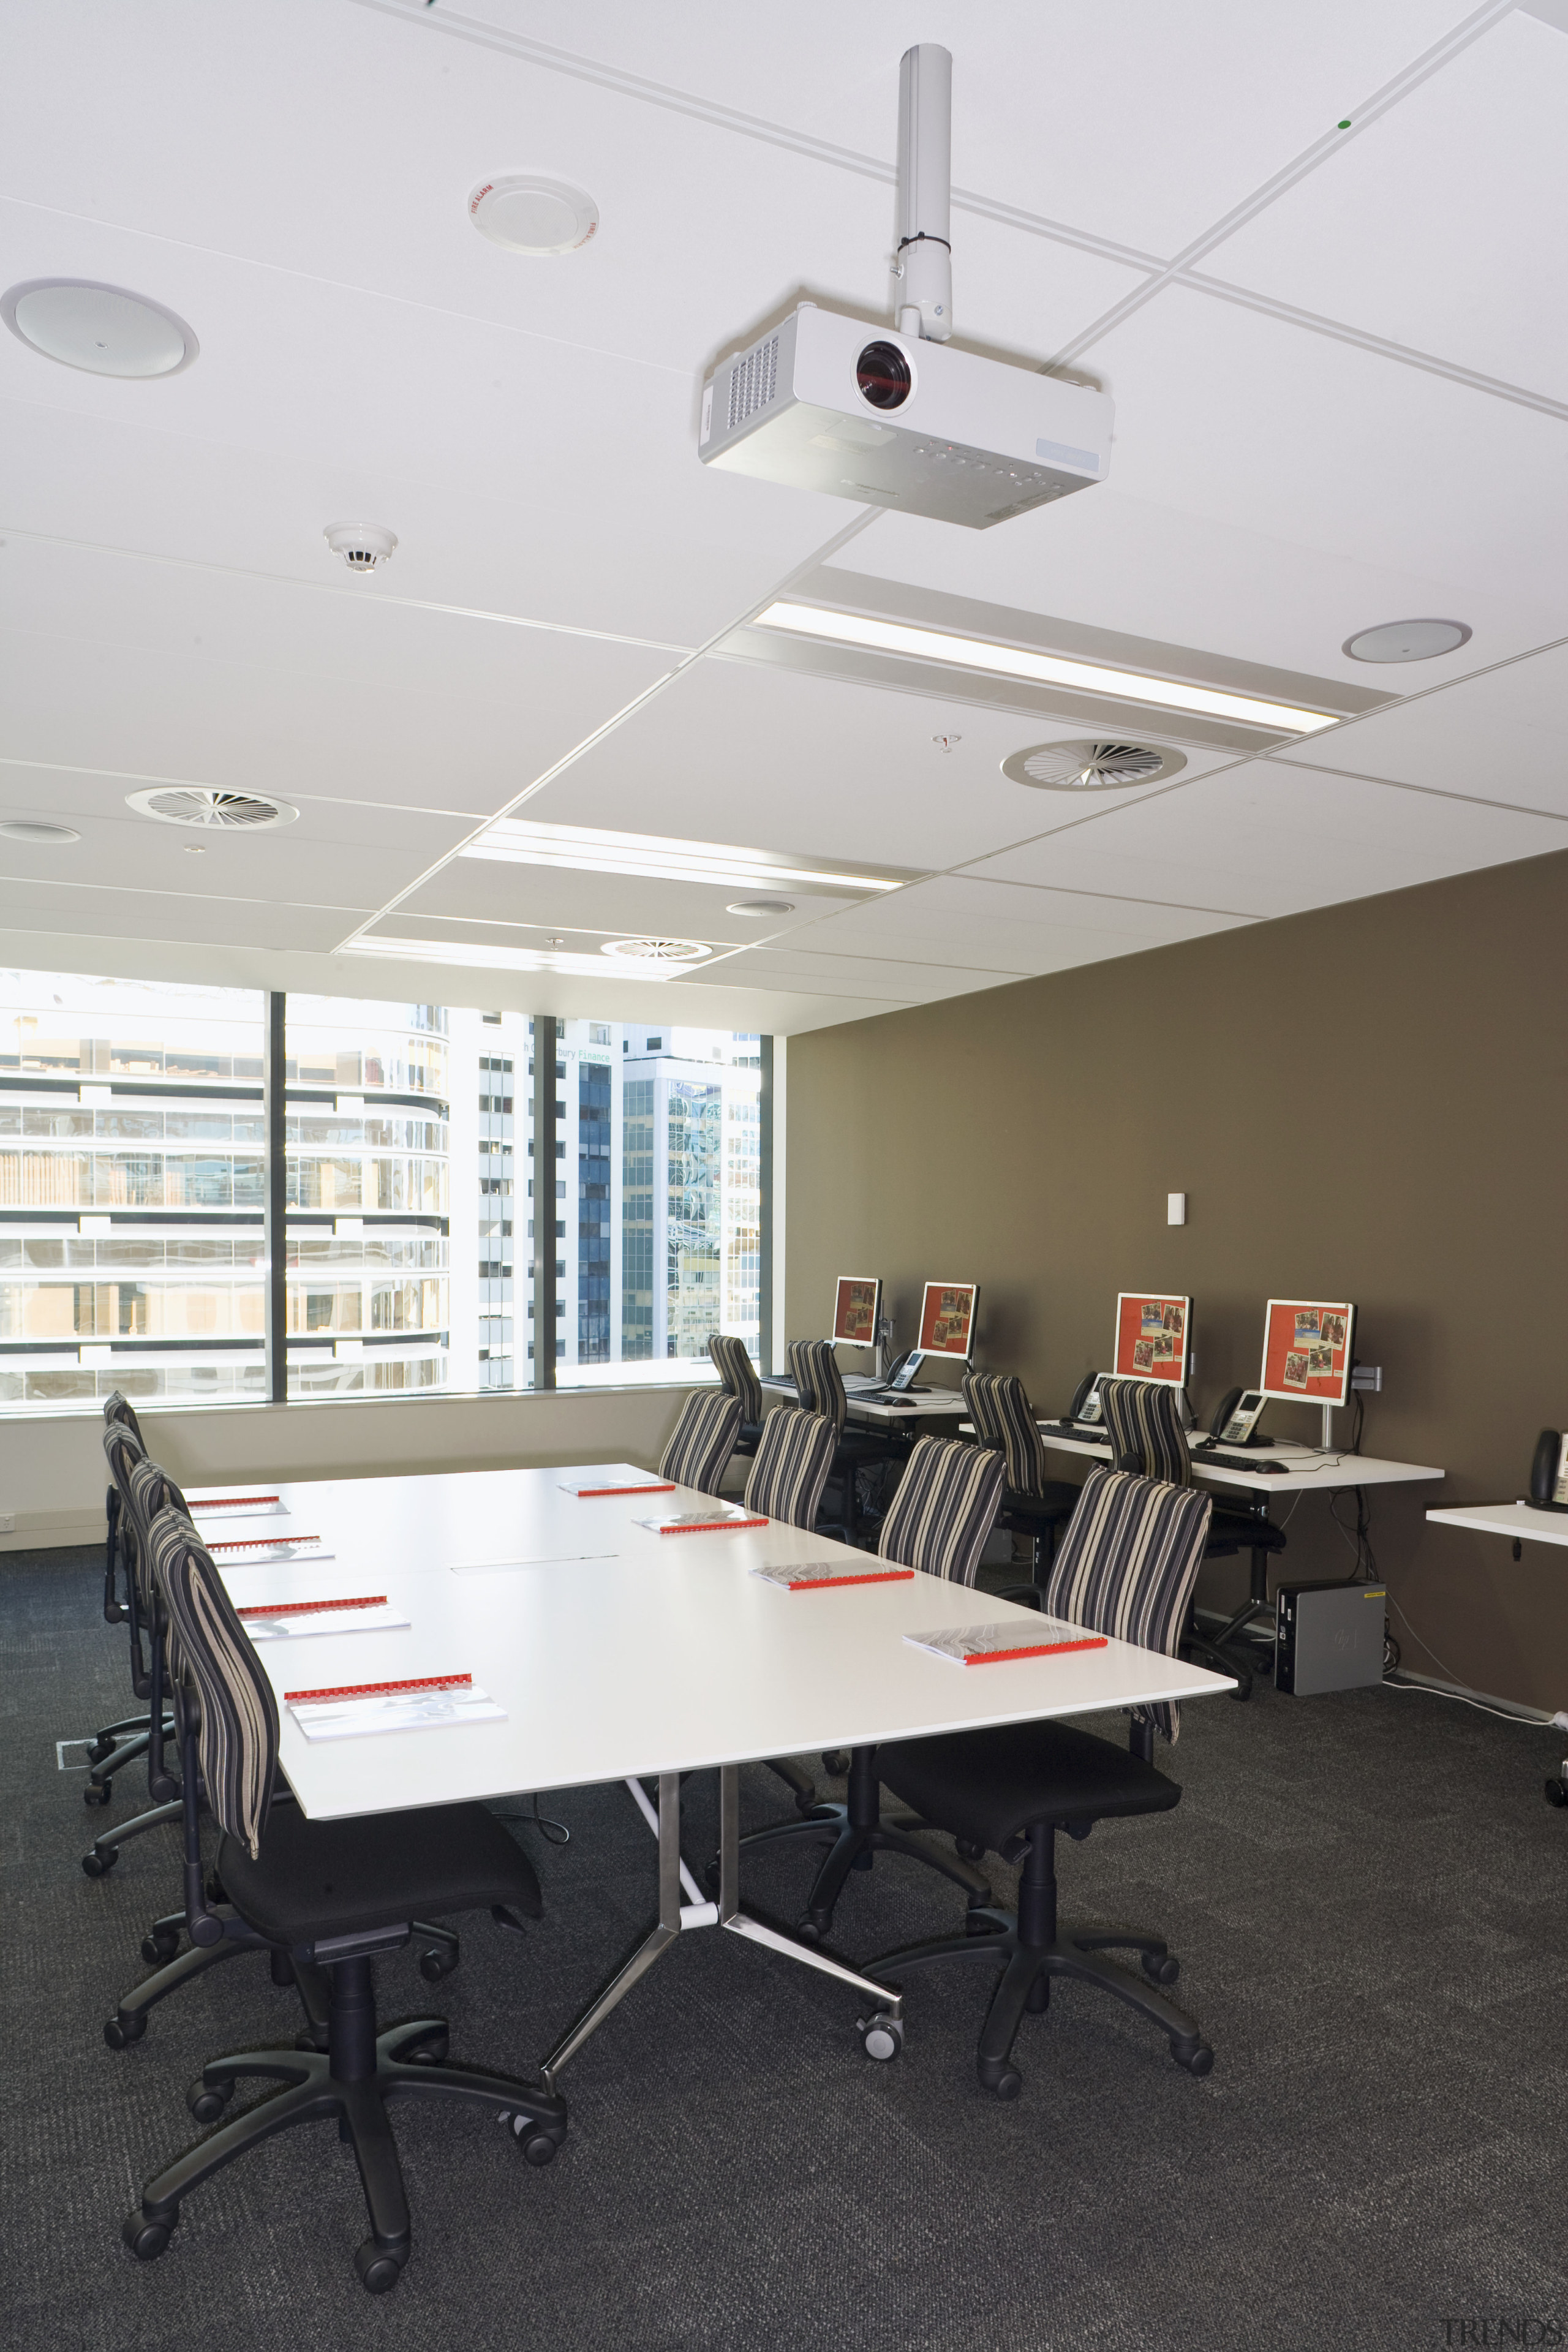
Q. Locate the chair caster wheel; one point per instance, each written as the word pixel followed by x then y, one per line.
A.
pixel 429 2052
pixel 1196 2058
pixel 206 2101
pixel 814 1929
pixel 98 1793
pixel 882 2036
pixel 379 2272
pixel 538 2145
pixel 1006 2083
pixel 1556 1790
pixel 121 2031
pixel 970 1848
pixel 1243 1690
pixel 436 1963
pixel 100 1861
pixel 100 1753
pixel 147 2239
pixel 159 1950
pixel 834 1760
pixel 1162 1972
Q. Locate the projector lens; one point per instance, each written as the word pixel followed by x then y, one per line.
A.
pixel 882 374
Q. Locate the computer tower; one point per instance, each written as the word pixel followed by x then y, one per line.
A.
pixel 1328 1637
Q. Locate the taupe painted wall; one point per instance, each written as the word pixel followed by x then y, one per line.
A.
pixel 1367 1102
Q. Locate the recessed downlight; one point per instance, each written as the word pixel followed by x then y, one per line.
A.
pixel 104 330
pixel 1403 640
pixel 760 907
pixel 25 828
pixel 528 214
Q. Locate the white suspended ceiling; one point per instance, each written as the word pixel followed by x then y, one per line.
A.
pixel 1340 367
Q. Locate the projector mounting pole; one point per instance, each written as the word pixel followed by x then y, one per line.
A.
pixel 924 304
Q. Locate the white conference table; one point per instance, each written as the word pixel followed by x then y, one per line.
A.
pixel 619 1652
pixel 1521 1521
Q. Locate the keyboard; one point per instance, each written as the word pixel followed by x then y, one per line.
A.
pixel 1207 1460
pixel 1090 1430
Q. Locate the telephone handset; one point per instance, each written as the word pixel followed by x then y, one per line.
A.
pixel 1238 1415
pixel 1086 1405
pixel 1549 1472
pixel 902 1375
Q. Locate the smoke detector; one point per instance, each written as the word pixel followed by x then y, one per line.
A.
pixel 656 951
pixel 1092 764
pixel 362 545
pixel 527 215
pixel 201 804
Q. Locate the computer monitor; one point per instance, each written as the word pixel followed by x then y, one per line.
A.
pixel 1152 1331
pixel 947 1319
pixel 1307 1352
pixel 856 1310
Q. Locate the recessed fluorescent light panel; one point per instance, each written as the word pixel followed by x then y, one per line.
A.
pixel 585 850
pixel 1039 670
pixel 498 959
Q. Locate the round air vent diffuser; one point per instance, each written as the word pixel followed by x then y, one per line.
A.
pixel 213 812
pixel 1092 764
pixel 656 951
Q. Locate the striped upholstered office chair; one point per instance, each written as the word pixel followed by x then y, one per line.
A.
pixel 939 1519
pixel 819 1385
pixel 738 1374
pixel 702 1441
pixel 1144 1424
pixel 127 1464
pixel 119 1744
pixel 152 1491
pixel 794 1458
pixel 1126 1568
pixel 1032 1504
pixel 331 1893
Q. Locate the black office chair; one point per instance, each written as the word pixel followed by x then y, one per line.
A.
pixel 1032 1504
pixel 116 1744
pixel 739 1376
pixel 938 1522
pixel 794 1458
pixel 699 1446
pixel 819 1385
pixel 1126 1568
pixel 1144 1424
pixel 331 1895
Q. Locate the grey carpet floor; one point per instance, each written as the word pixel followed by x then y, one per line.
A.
pixel 1366 1893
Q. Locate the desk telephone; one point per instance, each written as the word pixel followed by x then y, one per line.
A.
pixel 1549 1472
pixel 1237 1417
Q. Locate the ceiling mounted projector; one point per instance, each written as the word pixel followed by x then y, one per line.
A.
pixel 892 416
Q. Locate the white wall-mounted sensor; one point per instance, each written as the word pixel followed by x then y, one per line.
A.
pixel 1175 1208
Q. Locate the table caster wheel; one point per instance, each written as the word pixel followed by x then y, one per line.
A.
pixel 438 1961
pixel 100 1861
pixel 1162 1970
pixel 206 2101
pixel 121 2031
pixel 98 1792
pixel 882 2037
pixel 147 2239
pixel 1196 2057
pixel 158 1950
pixel 538 2145
pixel 379 2272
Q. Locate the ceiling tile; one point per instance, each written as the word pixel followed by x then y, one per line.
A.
pixel 990 925
pixel 1267 840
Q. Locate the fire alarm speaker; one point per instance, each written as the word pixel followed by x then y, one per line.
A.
pixel 864 411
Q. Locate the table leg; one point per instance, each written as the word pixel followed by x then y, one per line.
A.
pixel 741 1923
pixel 657 1940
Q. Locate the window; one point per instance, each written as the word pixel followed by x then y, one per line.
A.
pixel 131 1209
pixel 133 1190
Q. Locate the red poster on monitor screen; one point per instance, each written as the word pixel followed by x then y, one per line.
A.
pixel 855 1311
pixel 1151 1335
pixel 947 1317
pixel 1307 1350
